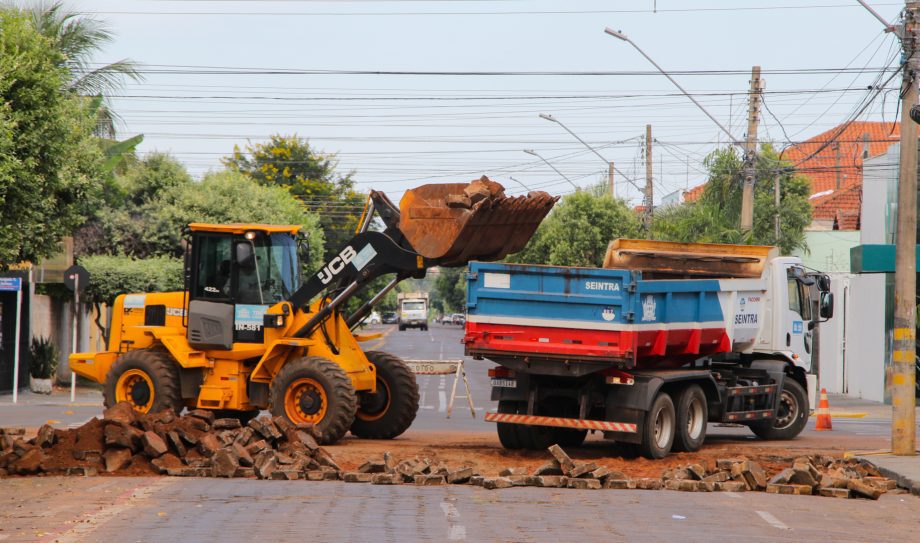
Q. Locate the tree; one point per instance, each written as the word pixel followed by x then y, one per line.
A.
pixel 309 175
pixel 49 163
pixel 578 230
pixel 714 217
pixel 450 290
pixel 78 37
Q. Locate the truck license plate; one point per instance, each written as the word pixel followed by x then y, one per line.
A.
pixel 504 383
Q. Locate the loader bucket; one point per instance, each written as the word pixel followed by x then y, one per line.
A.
pixel 458 222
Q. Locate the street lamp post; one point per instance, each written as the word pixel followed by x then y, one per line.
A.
pixel 534 153
pixel 521 184
pixel 592 149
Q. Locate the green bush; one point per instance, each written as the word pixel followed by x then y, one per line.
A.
pixel 44 358
pixel 110 276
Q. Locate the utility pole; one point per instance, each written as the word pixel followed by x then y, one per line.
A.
pixel 613 193
pixel 649 191
pixel 903 401
pixel 750 152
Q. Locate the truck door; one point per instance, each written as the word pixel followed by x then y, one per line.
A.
pixel 796 316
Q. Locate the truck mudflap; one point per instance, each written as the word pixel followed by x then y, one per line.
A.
pixel 559 422
pixel 762 395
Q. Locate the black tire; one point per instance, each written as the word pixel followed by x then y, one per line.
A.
pixel 317 390
pixel 389 412
pixel 402 328
pixel 658 428
pixel 424 328
pixel 508 434
pixel 792 415
pixel 692 415
pixel 141 369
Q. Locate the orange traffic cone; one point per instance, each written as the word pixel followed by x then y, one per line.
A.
pixel 823 422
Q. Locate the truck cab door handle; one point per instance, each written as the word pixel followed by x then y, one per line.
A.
pixel 788 339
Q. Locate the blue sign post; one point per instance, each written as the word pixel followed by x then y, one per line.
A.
pixel 14 284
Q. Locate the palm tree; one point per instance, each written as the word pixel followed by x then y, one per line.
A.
pixel 78 37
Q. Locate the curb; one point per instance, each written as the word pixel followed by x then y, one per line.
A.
pixel 876 459
pixel 845 415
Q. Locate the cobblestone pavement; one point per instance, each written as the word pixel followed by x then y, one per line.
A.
pixel 110 509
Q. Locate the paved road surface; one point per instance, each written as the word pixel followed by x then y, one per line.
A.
pixel 106 509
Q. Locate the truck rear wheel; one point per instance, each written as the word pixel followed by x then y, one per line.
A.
pixel 509 434
pixel 390 411
pixel 692 415
pixel 792 414
pixel 658 429
pixel 148 380
pixel 315 390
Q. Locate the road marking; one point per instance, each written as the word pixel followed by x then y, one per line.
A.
pixel 424 386
pixel 455 530
pixel 772 521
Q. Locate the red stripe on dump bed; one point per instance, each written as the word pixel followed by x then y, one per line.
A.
pixel 581 424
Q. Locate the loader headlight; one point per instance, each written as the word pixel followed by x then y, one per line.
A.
pixel 273 321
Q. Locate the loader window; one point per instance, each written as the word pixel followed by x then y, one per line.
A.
pixel 213 273
pixel 275 276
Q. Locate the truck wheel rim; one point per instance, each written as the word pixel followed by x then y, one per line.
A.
pixel 135 387
pixel 374 406
pixel 663 428
pixel 695 420
pixel 305 401
pixel 788 410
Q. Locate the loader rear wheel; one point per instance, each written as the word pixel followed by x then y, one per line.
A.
pixel 692 414
pixel 148 380
pixel 390 411
pixel 315 390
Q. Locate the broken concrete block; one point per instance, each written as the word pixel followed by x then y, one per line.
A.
pixel 153 444
pixel 696 471
pixel 881 482
pixel 859 489
pixel 357 477
pixel 306 439
pixel 831 492
pixel 565 462
pixel 325 459
pixel 264 464
pixel 389 463
pixel 256 447
pixel 45 437
pixel 224 463
pixel 550 481
pixel 116 458
pixel 121 412
pixel 512 471
pixel 229 423
pixel 177 443
pixel 619 484
pixel 373 466
pixel 550 468
pixel 751 473
pixel 315 475
pixel 582 469
pixel 648 483
pixel 733 486
pixel 208 444
pixel 782 477
pixel 495 483
pixel 386 479
pixel 718 477
pixel 518 480
pixel 460 476
pixel 244 472
pixel 728 463
pixel 600 473
pixel 583 484
pixel 804 490
pixel 203 414
pixel 123 435
pixel 429 480
pixel 477 480
pixel 30 462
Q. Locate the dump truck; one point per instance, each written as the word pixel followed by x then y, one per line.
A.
pixel 247 333
pixel 663 339
pixel 412 310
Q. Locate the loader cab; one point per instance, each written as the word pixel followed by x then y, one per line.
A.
pixel 234 273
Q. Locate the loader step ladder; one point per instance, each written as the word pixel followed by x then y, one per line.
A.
pixel 446 367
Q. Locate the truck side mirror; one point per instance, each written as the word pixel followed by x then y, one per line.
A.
pixel 827 305
pixel 245 256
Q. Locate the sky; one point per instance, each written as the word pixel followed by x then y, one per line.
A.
pixel 417 91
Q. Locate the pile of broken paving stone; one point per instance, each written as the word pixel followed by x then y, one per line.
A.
pixel 196 444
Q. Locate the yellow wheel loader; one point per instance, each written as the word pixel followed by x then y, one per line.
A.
pixel 247 333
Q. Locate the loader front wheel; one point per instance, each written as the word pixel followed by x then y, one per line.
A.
pixel 148 380
pixel 315 390
pixel 390 410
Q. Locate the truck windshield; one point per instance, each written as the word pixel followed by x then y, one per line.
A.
pixel 275 276
pixel 413 306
